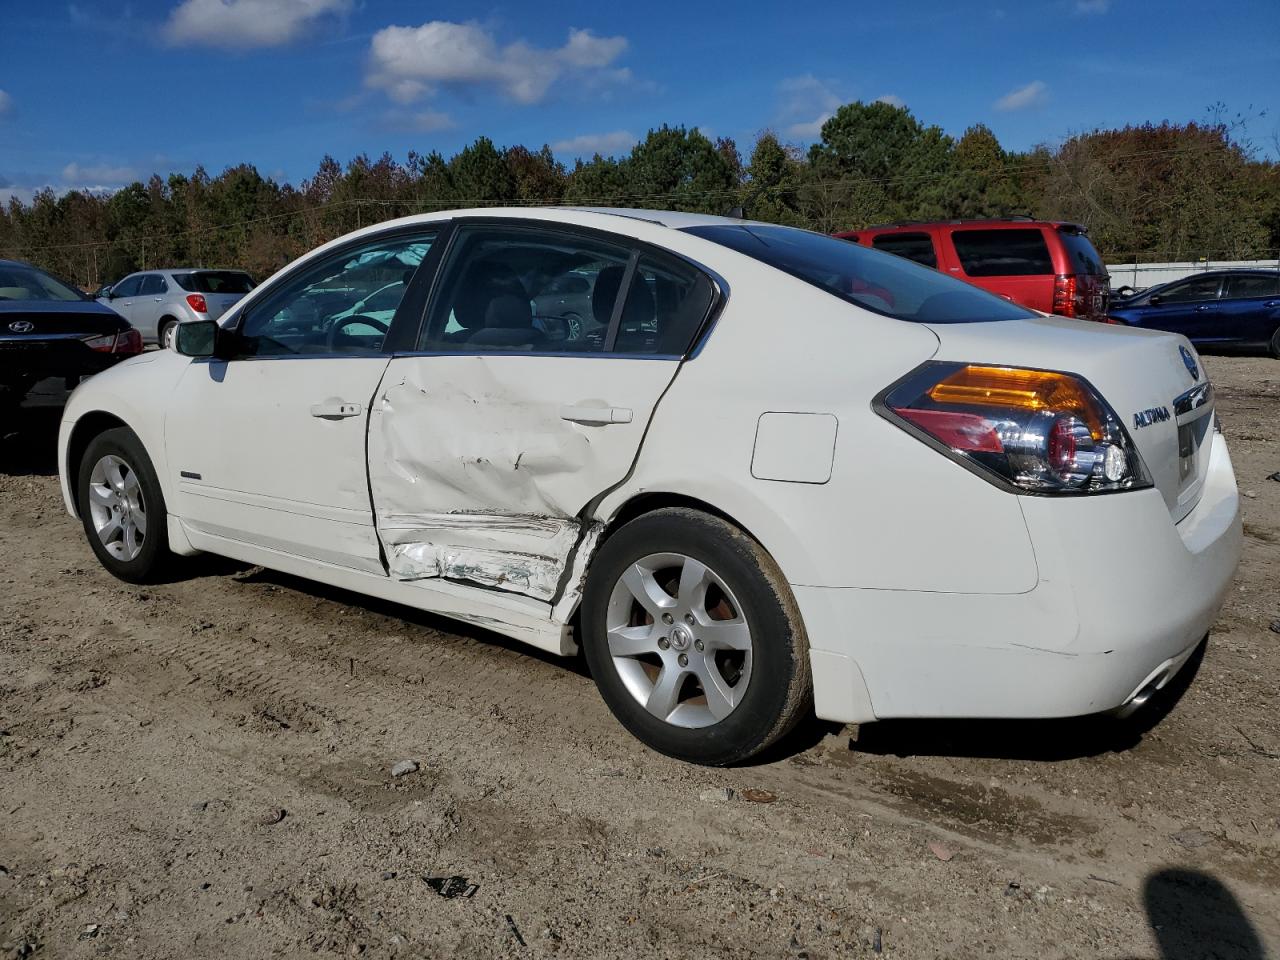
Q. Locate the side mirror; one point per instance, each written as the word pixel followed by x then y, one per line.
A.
pixel 197 338
pixel 108 293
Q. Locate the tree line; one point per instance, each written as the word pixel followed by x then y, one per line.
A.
pixel 1147 193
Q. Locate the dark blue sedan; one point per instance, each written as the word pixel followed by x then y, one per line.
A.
pixel 1238 309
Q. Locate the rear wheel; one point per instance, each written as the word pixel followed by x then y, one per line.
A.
pixel 167 329
pixel 122 508
pixel 693 638
pixel 1275 345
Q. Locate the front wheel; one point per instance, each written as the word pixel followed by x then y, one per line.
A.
pixel 693 638
pixel 122 508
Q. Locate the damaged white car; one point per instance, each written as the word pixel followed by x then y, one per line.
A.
pixel 767 472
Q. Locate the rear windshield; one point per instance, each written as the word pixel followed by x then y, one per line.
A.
pixel 1084 258
pixel 214 281
pixel 1002 253
pixel 26 283
pixel 877 281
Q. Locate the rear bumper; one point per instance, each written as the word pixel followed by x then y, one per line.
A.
pixel 1124 597
pixel 27 362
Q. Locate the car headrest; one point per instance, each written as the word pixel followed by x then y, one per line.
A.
pixel 507 312
pixel 483 281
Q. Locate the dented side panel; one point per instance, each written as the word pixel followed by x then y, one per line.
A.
pixel 477 477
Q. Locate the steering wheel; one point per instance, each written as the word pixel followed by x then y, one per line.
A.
pixel 359 318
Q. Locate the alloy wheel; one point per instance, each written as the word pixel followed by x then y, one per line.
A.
pixel 117 507
pixel 679 640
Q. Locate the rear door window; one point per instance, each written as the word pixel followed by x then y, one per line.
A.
pixel 1082 255
pixel 1252 285
pixel 913 246
pixel 664 309
pixel 1003 253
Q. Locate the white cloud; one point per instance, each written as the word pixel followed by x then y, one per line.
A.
pixel 589 144
pixel 585 49
pixel 892 99
pixel 1087 8
pixel 805 104
pixel 73 173
pixel 246 23
pixel 1033 94
pixel 411 62
pixel 6 103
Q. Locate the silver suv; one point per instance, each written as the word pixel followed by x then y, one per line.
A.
pixel 156 301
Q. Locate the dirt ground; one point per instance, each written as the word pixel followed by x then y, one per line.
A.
pixel 202 769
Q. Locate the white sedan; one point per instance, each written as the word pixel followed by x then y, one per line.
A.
pixel 778 473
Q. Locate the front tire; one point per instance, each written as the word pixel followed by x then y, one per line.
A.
pixel 1275 344
pixel 694 639
pixel 122 508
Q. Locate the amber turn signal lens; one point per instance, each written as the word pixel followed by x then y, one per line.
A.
pixel 1014 388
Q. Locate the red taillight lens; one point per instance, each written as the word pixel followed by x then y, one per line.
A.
pixel 126 342
pixel 197 302
pixel 1035 430
pixel 130 341
pixel 1064 294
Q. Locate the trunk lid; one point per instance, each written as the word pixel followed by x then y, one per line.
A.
pixel 1154 381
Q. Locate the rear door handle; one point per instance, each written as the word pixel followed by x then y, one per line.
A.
pixel 1205 306
pixel 597 415
pixel 1272 303
pixel 158 299
pixel 335 410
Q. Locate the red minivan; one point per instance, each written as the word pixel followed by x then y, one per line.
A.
pixel 1046 265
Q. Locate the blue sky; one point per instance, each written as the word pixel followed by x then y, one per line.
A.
pixel 96 93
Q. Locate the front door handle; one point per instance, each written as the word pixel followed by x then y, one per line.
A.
pixel 1204 306
pixel 597 415
pixel 1272 303
pixel 159 299
pixel 335 410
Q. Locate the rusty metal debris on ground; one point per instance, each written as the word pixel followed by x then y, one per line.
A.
pixel 451 888
pixel 752 795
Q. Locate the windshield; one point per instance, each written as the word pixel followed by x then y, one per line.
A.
pixel 27 283
pixel 215 281
pixel 877 281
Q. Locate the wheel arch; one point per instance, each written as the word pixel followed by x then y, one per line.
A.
pixel 88 426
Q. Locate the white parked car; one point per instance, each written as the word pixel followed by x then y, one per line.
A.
pixel 777 472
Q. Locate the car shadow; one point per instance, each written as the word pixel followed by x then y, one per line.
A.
pixel 206 565
pixel 1194 915
pixel 29 441
pixel 1028 740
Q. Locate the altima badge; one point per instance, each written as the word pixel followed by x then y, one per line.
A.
pixel 1190 363
pixel 1145 418
pixel 21 326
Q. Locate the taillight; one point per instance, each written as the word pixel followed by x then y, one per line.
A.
pixel 1064 294
pixel 129 341
pixel 197 302
pixel 1036 431
pixel 126 342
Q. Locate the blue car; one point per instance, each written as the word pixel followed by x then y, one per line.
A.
pixel 1237 309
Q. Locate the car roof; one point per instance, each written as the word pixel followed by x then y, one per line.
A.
pixel 999 223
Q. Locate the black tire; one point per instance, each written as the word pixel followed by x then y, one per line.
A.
pixel 162 330
pixel 1275 345
pixel 779 688
pixel 153 557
